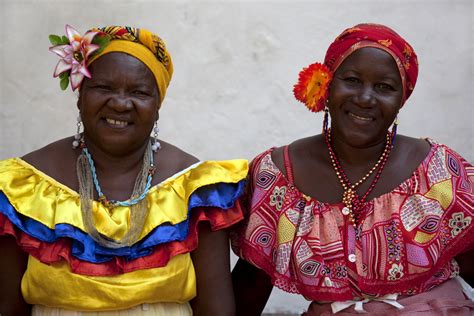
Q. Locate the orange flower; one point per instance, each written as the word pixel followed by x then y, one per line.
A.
pixel 312 86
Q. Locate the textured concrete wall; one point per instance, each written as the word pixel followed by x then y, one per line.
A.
pixel 235 64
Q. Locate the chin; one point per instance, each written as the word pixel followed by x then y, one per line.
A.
pixel 118 146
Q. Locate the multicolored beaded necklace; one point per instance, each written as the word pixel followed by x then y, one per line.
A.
pixel 113 203
pixel 352 202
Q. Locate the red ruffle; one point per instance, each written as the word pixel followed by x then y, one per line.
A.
pixel 49 253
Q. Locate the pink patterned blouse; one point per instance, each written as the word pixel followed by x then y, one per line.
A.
pixel 405 244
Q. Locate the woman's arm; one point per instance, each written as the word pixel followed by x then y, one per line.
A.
pixel 252 288
pixel 12 266
pixel 212 264
pixel 466 265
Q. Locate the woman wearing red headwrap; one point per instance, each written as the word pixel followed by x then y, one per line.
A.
pixel 358 218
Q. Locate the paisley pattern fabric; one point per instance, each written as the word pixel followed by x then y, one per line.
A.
pixel 68 269
pixel 405 244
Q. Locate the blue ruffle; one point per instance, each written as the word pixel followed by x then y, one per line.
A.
pixel 220 195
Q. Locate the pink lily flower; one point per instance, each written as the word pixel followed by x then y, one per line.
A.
pixel 78 71
pixel 81 43
pixel 74 56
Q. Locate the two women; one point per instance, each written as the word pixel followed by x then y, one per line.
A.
pixel 113 219
pixel 358 217
pixel 355 218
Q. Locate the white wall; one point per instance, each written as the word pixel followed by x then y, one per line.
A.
pixel 235 65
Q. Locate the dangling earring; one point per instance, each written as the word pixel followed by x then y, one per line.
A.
pixel 156 144
pixel 394 129
pixel 78 137
pixel 326 119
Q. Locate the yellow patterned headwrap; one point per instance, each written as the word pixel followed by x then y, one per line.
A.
pixel 143 45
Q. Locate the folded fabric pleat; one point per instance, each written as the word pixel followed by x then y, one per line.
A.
pixel 221 195
pixel 159 255
pixel 210 200
pixel 43 199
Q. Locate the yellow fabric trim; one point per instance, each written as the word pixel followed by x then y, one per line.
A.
pixel 55 286
pixel 40 197
pixel 143 54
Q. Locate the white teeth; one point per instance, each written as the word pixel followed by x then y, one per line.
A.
pixel 360 117
pixel 117 123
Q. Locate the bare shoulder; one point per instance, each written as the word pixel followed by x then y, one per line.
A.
pixel 171 152
pixel 57 160
pixel 278 158
pixel 171 159
pixel 411 151
pixel 304 148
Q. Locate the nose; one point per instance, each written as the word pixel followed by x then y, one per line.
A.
pixel 120 102
pixel 366 96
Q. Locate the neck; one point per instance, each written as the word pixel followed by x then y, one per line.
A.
pixel 120 163
pixel 357 156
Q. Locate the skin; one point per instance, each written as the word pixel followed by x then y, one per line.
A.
pixel 123 89
pixel 12 267
pixel 364 99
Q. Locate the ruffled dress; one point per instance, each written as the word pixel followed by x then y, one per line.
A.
pixel 67 269
pixel 405 243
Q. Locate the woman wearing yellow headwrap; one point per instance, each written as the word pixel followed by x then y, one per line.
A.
pixel 113 223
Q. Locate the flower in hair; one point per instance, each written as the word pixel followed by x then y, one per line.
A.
pixel 74 51
pixel 312 86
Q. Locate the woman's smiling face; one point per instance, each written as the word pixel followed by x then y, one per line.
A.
pixel 364 97
pixel 119 104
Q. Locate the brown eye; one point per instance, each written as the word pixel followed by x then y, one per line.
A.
pixel 352 80
pixel 140 93
pixel 385 87
pixel 102 87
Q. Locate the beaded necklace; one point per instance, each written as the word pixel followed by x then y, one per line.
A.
pixel 350 198
pixel 87 178
pixel 113 203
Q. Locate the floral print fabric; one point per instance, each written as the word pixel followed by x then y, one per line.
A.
pixel 405 244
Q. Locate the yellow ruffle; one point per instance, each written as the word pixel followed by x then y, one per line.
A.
pixel 55 286
pixel 40 197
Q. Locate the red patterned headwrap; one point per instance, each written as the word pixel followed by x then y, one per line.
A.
pixel 352 39
pixel 379 36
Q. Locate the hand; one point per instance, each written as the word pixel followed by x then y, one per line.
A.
pixel 313 310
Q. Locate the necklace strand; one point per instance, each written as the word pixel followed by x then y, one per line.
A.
pixel 113 203
pixel 350 198
pixel 138 211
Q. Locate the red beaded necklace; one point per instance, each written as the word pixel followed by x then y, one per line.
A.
pixel 350 198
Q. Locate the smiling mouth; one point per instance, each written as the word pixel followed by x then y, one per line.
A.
pixel 116 123
pixel 362 118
